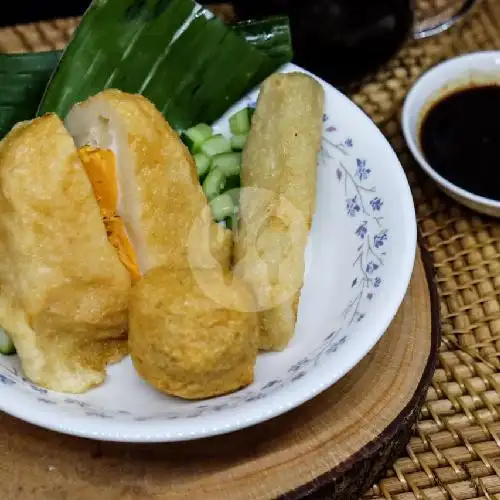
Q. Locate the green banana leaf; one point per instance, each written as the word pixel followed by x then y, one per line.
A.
pixel 189 63
pixel 23 78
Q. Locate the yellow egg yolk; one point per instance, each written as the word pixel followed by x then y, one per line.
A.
pixel 100 166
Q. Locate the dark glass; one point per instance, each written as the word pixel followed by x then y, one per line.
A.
pixel 340 40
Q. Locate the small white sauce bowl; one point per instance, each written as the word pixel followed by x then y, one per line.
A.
pixel 445 78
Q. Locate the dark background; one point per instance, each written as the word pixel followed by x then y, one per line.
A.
pixel 25 11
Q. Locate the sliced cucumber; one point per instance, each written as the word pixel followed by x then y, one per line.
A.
pixel 240 122
pixel 232 188
pixel 229 163
pixel 195 136
pixel 202 163
pixel 214 183
pixel 215 145
pixel 238 141
pixel 222 207
pixel 232 182
pixel 6 344
pixel 231 221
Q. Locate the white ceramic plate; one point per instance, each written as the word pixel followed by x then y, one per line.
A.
pixel 359 262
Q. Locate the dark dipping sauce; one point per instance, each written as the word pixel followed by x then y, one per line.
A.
pixel 460 139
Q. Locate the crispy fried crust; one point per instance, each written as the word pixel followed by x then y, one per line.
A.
pixel 187 343
pixel 278 200
pixel 169 223
pixel 161 197
pixel 63 291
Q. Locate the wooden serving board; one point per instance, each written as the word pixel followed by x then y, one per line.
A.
pixel 334 446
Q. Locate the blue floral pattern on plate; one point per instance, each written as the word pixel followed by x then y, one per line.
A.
pixel 366 210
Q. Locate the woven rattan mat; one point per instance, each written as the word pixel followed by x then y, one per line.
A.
pixel 455 450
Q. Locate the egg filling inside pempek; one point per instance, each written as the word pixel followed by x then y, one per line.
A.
pixel 100 166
